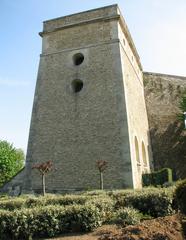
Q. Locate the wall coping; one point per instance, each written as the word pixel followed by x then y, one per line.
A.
pixel 165 75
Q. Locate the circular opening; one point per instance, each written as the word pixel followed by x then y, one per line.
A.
pixel 77 85
pixel 78 58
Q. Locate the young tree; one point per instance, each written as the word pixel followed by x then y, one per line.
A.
pixel 101 166
pixel 11 161
pixel 43 169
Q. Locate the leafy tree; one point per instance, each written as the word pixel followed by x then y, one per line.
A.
pixel 11 161
pixel 101 166
pixel 43 169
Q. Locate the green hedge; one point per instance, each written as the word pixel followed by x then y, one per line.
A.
pixel 180 196
pixel 51 215
pixel 153 202
pixel 105 204
pixel 157 178
pixel 126 216
pixel 95 193
pixel 30 202
pixel 48 221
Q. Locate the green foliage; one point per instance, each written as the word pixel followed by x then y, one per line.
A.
pixel 182 107
pixel 50 215
pixel 153 202
pixel 126 216
pixel 157 178
pixel 12 204
pixel 95 193
pixel 67 200
pixel 11 161
pixel 3 196
pixel 30 202
pixel 48 221
pixel 180 196
pixel 105 204
pixel 121 193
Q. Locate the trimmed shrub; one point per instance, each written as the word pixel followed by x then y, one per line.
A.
pixel 147 179
pixel 3 196
pixel 180 196
pixel 55 214
pixel 82 218
pixel 105 204
pixel 95 193
pixel 126 216
pixel 66 200
pixel 48 221
pixel 12 204
pixel 118 193
pixel 152 201
pixel 157 178
pixel 30 202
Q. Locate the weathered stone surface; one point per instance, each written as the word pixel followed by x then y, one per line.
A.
pixel 14 187
pixel 163 94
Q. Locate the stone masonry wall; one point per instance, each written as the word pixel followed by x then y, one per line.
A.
pixel 140 146
pixel 163 94
pixel 74 130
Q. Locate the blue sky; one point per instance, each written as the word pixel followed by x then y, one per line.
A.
pixel 158 28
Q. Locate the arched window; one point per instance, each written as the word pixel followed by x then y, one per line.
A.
pixel 144 156
pixel 137 151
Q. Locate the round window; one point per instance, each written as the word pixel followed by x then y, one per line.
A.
pixel 77 85
pixel 78 58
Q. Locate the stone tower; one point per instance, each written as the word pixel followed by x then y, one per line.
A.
pixel 89 105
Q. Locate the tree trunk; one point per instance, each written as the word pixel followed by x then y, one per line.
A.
pixel 101 180
pixel 43 184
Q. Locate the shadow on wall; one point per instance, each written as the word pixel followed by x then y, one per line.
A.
pixel 169 149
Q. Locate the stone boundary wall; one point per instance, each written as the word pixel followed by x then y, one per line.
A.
pixel 162 94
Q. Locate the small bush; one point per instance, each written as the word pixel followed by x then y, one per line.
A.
pixel 180 196
pixel 105 204
pixel 153 202
pixel 48 221
pixel 126 216
pixel 157 178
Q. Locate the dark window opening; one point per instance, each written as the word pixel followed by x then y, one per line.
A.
pixel 78 58
pixel 77 85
